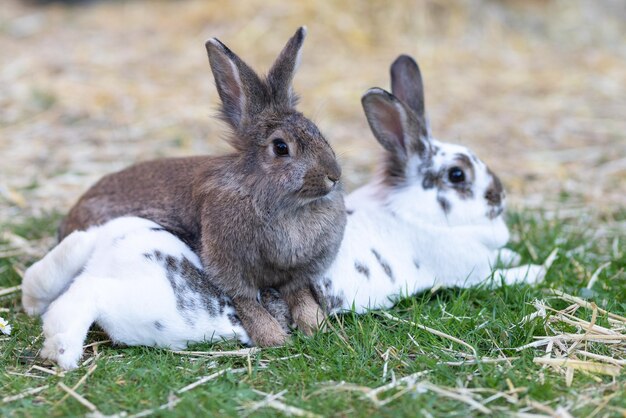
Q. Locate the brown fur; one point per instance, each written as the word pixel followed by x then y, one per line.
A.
pixel 256 219
pixel 306 313
pixel 495 197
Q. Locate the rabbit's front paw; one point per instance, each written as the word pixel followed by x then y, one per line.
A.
pixel 63 350
pixel 308 317
pixel 270 334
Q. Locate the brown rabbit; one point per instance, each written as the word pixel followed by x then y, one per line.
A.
pixel 269 215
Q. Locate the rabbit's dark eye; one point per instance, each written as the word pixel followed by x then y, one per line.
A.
pixel 456 175
pixel 280 147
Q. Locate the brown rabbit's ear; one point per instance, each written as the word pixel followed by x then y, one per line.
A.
pixel 396 127
pixel 406 83
pixel 240 89
pixel 281 74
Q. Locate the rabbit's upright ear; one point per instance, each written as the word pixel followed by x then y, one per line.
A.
pixel 396 127
pixel 240 89
pixel 281 74
pixel 407 85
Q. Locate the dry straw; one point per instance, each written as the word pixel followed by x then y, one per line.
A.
pixel 568 352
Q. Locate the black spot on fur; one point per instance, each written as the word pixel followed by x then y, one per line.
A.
pixel 444 203
pixel 362 268
pixel 222 305
pixel 349 211
pixel 158 229
pixel 383 263
pixel 155 256
pixel 190 285
pixel 416 264
pixel 234 320
pixel 185 304
pixel 119 239
pixel 495 191
pixel 431 179
pixel 324 297
pixel 159 326
pixel 394 171
pixel 172 264
pixel 493 197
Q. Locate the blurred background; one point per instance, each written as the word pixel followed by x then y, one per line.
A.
pixel 536 87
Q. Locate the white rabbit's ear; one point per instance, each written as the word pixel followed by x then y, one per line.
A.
pixel 397 129
pixel 407 85
pixel 241 91
pixel 281 74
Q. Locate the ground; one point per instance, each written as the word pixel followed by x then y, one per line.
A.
pixel 536 88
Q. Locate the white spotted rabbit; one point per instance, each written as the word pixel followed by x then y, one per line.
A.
pixel 432 217
pixel 138 282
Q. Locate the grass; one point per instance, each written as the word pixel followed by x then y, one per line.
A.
pixel 332 373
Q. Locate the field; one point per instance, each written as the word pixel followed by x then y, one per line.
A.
pixel 537 89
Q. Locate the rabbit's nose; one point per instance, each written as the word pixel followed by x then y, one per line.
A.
pixel 331 181
pixel 333 172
